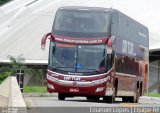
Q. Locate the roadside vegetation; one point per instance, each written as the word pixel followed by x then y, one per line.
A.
pixel 3 2
pixel 35 89
pixel 17 63
pixel 11 68
pixel 153 94
pixel 3 76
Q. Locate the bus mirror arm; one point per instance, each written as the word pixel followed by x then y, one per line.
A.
pixel 44 38
pixel 109 46
pixel 109 42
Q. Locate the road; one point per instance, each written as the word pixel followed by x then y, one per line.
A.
pixel 81 105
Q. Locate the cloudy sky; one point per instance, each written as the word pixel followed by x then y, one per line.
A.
pixel 146 12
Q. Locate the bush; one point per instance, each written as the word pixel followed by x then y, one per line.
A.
pixel 3 1
pixel 3 76
pixel 33 89
pixel 11 69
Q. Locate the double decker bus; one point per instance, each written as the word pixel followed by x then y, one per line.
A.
pixel 97 52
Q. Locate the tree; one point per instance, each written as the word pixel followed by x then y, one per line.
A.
pixel 11 69
pixel 14 65
pixel 3 1
pixel 38 78
pixel 19 64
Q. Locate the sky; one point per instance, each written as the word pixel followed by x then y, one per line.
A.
pixel 146 12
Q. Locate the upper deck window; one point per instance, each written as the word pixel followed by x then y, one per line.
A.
pixel 82 23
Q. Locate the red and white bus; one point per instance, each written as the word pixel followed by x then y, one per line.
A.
pixel 97 52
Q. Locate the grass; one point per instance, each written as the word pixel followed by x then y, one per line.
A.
pixel 152 94
pixel 35 89
pixel 41 89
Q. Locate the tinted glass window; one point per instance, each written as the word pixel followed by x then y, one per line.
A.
pixel 78 58
pixel 79 23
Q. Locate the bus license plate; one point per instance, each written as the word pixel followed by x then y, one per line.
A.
pixel 74 90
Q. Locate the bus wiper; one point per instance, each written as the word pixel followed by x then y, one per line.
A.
pixel 79 68
pixel 90 69
pixel 62 67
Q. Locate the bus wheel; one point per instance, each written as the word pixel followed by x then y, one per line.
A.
pixel 61 96
pixel 96 98
pixel 89 98
pixel 138 95
pixel 135 98
pixel 110 99
pixel 125 99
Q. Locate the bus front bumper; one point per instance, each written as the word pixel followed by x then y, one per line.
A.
pixel 74 87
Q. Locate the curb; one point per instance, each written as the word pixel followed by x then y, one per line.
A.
pixel 39 94
pixel 150 98
pixel 55 95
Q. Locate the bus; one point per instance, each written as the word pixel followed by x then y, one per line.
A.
pixel 97 52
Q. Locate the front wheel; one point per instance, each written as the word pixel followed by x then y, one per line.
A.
pixel 96 98
pixel 110 99
pixel 125 99
pixel 61 96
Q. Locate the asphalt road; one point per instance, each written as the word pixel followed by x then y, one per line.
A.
pixel 81 105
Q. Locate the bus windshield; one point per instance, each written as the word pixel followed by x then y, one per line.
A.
pixel 77 58
pixel 81 24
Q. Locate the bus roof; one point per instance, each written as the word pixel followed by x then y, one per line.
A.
pixel 85 8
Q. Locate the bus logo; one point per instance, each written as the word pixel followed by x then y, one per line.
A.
pixel 74 83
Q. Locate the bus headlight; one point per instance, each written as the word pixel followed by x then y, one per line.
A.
pixel 101 80
pixel 50 86
pixel 51 78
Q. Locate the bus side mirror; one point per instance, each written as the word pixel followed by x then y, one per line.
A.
pixel 109 46
pixel 44 38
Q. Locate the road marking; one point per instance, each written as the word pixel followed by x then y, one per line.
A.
pixel 129 105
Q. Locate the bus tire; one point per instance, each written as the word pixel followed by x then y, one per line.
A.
pixel 138 95
pixel 135 98
pixel 109 99
pixel 61 96
pixel 125 99
pixel 96 98
pixel 89 98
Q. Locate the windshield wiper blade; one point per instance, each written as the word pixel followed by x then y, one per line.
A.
pixel 78 68
pixel 90 69
pixel 61 67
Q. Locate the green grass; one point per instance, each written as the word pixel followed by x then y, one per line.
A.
pixel 3 1
pixel 152 94
pixel 35 89
pixel 3 76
